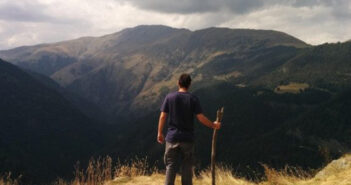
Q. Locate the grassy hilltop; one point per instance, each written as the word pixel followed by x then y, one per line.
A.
pixel 336 172
pixel 137 172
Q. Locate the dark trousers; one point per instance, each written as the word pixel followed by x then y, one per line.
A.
pixel 179 154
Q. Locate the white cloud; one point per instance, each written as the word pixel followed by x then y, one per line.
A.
pixel 43 21
pixel 314 25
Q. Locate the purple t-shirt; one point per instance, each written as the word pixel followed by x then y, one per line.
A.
pixel 181 108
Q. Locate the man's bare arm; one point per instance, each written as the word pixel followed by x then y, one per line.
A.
pixel 205 121
pixel 161 125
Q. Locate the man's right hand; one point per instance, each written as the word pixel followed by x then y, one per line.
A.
pixel 216 125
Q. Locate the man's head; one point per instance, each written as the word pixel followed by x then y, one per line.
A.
pixel 184 81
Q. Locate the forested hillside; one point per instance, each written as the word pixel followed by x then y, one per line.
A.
pixel 42 134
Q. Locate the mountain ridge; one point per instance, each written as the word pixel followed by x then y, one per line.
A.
pixel 152 55
pixel 138 27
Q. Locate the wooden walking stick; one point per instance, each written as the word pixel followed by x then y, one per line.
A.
pixel 213 153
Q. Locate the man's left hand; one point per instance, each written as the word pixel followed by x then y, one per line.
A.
pixel 160 138
pixel 217 125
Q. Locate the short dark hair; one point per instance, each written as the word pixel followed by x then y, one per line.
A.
pixel 184 80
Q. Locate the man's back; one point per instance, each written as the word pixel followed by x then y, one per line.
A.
pixel 181 108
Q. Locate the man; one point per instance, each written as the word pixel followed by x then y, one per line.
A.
pixel 180 108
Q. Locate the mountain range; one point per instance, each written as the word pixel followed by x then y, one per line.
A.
pixel 286 102
pixel 126 71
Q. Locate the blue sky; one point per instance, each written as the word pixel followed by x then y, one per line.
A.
pixel 29 22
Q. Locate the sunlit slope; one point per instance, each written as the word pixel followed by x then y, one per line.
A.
pixel 338 172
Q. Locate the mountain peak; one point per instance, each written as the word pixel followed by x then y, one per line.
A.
pixel 271 37
pixel 153 27
pixel 149 30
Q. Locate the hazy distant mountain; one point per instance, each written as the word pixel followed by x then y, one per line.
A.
pixel 326 66
pixel 128 70
pixel 42 135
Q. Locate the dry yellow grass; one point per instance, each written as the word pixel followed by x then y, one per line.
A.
pixel 224 177
pixel 226 77
pixel 8 179
pixel 338 172
pixel 137 172
pixel 291 88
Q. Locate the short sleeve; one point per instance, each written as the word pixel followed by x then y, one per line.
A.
pixel 197 106
pixel 164 106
